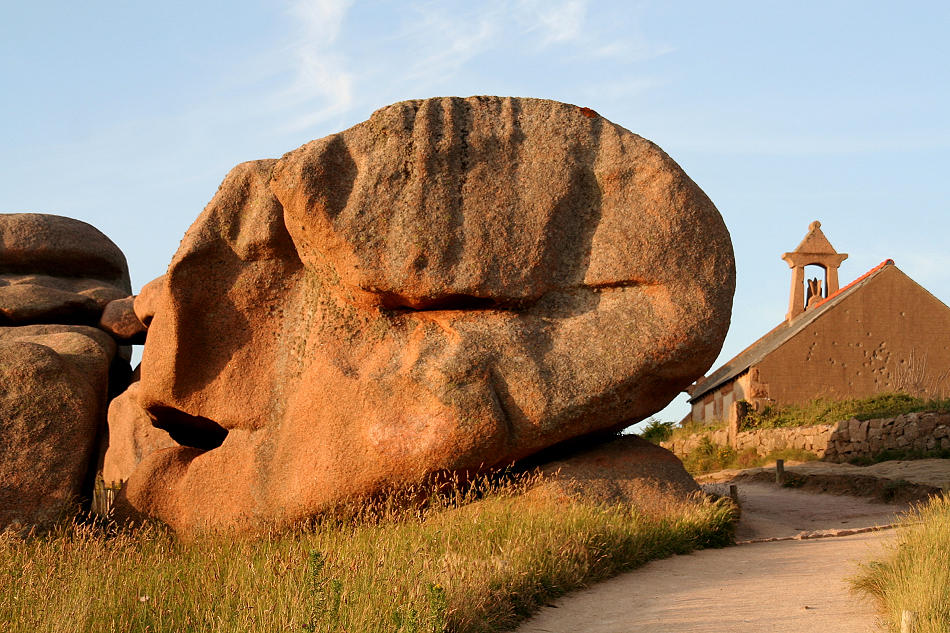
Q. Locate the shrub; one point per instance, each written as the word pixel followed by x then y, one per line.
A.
pixel 914 575
pixel 657 431
pixel 709 457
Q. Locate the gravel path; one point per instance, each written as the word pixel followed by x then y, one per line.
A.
pixel 788 586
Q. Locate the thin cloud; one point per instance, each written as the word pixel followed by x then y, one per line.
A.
pixel 450 41
pixel 558 21
pixel 630 51
pixel 322 83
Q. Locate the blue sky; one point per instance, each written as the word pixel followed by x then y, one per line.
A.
pixel 128 115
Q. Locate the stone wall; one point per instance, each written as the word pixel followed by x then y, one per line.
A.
pixel 839 442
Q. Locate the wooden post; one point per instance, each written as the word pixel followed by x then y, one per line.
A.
pixel 908 621
pixel 734 492
pixel 780 471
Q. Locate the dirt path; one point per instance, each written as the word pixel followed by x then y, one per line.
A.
pixel 791 586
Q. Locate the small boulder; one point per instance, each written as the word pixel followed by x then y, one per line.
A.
pixel 627 470
pixel 147 301
pixel 119 320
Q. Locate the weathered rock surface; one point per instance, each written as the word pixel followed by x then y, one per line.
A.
pixel 627 470
pixel 53 386
pixel 147 301
pixel 119 320
pixel 131 436
pixel 452 284
pixel 55 269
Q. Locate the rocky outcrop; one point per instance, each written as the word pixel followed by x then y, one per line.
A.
pixel 55 269
pixel 132 437
pixel 147 301
pixel 53 394
pixel 450 285
pixel 57 276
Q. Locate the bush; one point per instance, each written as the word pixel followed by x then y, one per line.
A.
pixel 709 457
pixel 914 576
pixel 657 431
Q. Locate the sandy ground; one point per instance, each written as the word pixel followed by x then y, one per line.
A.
pixel 770 511
pixel 927 472
pixel 790 586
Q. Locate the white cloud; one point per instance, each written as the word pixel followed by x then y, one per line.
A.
pixel 558 21
pixel 448 42
pixel 629 51
pixel 322 82
pixel 321 20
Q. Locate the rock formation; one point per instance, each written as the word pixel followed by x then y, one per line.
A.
pixel 450 285
pixel 55 269
pixel 146 301
pixel 132 436
pixel 119 320
pixel 53 395
pixel 57 275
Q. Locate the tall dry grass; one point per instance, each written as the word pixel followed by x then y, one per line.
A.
pixel 915 575
pixel 461 564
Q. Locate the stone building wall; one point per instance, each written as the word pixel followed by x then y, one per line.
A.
pixel 839 442
pixel 885 334
pixel 888 336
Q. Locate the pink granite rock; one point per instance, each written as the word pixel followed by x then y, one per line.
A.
pixel 451 285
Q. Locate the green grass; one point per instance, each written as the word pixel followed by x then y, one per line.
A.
pixel 823 411
pixel 709 457
pixel 915 575
pixel 692 427
pixel 901 455
pixel 461 564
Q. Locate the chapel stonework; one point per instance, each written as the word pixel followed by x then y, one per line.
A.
pixel 883 332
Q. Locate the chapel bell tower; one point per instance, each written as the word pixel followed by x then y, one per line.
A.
pixel 815 250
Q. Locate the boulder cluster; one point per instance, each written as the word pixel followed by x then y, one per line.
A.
pixel 452 285
pixel 65 326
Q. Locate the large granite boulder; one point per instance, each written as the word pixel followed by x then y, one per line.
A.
pixel 53 395
pixel 55 269
pixel 451 285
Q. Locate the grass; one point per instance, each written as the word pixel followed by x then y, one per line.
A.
pixel 823 411
pixel 900 454
pixel 692 427
pixel 709 457
pixel 470 562
pixel 915 575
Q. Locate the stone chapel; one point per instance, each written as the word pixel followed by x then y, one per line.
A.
pixel 882 332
